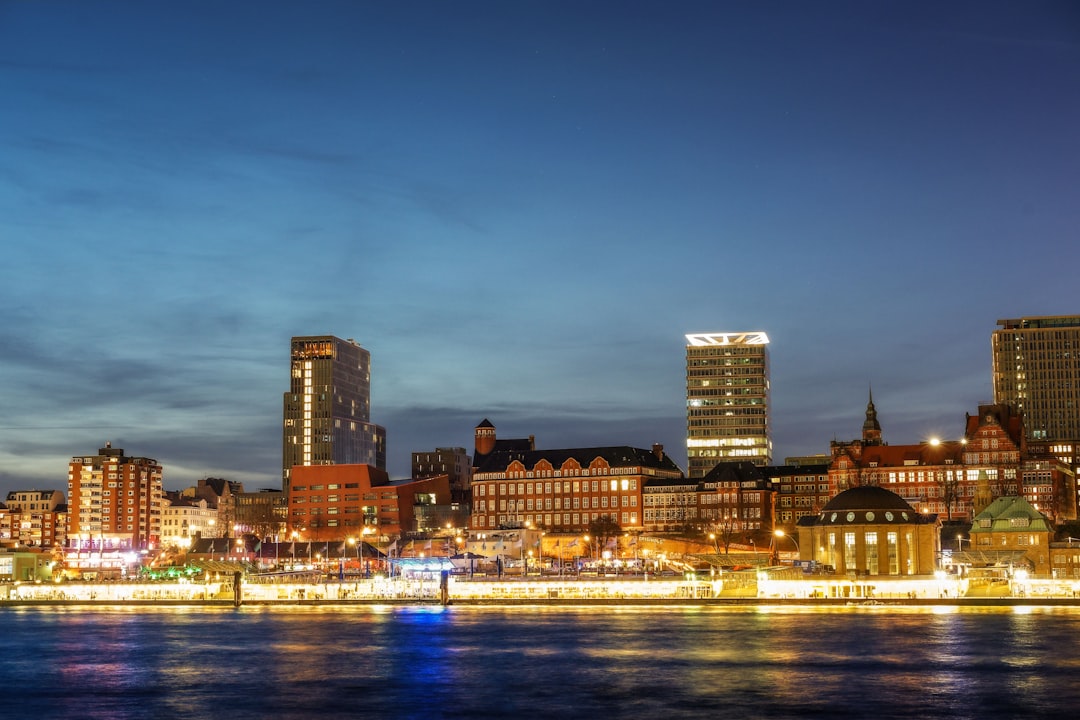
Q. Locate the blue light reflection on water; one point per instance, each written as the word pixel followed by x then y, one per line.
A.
pixel 584 662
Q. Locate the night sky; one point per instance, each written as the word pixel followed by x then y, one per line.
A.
pixel 520 209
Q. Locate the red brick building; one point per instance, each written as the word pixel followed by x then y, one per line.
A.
pixel 563 490
pixel 332 502
pixel 943 477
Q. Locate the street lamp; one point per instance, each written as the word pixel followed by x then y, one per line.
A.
pixel 776 547
pixel 359 551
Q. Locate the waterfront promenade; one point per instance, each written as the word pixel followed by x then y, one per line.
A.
pixel 920 591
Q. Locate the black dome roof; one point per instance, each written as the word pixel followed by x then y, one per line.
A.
pixel 867 497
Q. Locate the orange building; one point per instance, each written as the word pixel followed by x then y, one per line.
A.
pixel 332 502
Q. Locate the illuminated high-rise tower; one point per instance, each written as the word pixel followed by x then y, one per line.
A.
pixel 727 400
pixel 1036 365
pixel 327 416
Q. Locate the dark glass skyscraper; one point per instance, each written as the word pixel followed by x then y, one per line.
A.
pixel 327 410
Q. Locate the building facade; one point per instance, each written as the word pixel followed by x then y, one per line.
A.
pixel 184 519
pixel 334 502
pixel 801 490
pixel 34 518
pixel 453 462
pixel 1036 369
pixel 327 410
pixel 1012 525
pixel 563 491
pixel 870 531
pixel 114 501
pixel 958 478
pixel 727 400
pixel 262 514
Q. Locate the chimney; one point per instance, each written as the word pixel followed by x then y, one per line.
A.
pixel 658 450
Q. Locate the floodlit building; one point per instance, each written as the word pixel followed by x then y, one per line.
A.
pixel 870 531
pixel 327 410
pixel 958 478
pixel 727 400
pixel 183 519
pixel 114 501
pixel 262 514
pixel 34 518
pixel 563 490
pixel 1036 369
pixel 1012 532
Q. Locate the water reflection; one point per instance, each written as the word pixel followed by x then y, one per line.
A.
pixel 543 662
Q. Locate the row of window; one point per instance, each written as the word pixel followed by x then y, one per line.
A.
pixel 547 488
pixel 557 503
pixel 626 519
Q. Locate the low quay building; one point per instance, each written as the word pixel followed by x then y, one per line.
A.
pixel 873 533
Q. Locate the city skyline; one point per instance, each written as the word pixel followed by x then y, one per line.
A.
pixel 519 211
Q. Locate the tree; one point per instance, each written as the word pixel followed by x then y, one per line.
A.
pixel 950 491
pixel 724 530
pixel 603 529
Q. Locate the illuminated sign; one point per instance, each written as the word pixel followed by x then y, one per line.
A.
pixel 743 338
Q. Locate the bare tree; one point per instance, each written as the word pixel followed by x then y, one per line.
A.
pixel 603 529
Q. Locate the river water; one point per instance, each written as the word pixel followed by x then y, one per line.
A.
pixel 540 662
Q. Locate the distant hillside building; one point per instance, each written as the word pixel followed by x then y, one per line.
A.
pixel 262 514
pixel 114 501
pixel 727 400
pixel 738 500
pixel 327 410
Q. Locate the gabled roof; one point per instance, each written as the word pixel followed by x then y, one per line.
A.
pixel 734 472
pixel 781 471
pixel 614 456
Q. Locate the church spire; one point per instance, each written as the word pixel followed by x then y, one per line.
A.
pixel 871 429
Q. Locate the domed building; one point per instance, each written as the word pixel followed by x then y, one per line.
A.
pixel 870 531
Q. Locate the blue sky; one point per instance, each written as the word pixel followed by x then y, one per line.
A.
pixel 519 208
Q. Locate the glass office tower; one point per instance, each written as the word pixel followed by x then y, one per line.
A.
pixel 1036 366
